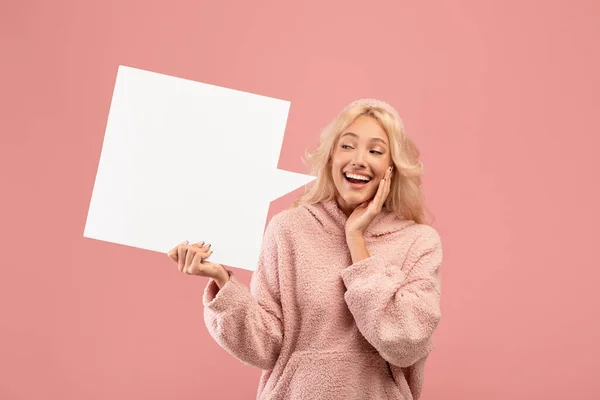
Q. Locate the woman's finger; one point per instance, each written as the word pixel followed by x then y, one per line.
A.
pixel 196 264
pixel 377 201
pixel 190 268
pixel 198 244
pixel 203 248
pixel 181 251
pixel 386 189
pixel 191 251
pixel 389 181
pixel 173 253
pixel 205 252
pixel 388 185
pixel 197 261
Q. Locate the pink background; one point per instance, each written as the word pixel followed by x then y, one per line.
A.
pixel 502 98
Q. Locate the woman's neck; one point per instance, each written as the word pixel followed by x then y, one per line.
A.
pixel 346 208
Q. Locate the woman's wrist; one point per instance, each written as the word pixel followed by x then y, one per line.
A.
pixel 222 278
pixel 357 246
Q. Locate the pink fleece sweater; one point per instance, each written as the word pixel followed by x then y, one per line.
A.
pixel 321 327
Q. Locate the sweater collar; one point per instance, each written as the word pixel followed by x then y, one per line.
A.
pixel 333 219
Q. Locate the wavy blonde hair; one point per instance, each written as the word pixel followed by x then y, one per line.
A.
pixel 406 196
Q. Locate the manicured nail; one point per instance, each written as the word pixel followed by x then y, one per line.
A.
pixel 390 169
pixel 187 242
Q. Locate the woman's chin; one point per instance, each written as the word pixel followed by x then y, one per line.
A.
pixel 354 201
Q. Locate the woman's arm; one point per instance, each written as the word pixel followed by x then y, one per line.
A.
pixel 398 311
pixel 248 323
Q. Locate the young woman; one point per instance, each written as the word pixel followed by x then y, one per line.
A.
pixel 346 295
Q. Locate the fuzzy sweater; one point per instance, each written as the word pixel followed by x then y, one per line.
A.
pixel 321 327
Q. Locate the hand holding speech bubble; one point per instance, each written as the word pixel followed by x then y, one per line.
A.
pixel 187 160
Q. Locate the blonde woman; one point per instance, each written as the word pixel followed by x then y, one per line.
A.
pixel 346 295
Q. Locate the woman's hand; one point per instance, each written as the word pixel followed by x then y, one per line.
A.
pixel 191 260
pixel 364 214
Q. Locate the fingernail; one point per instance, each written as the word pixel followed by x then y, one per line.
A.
pixel 390 169
pixel 187 242
pixel 209 245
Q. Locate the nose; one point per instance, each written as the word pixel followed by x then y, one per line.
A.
pixel 358 159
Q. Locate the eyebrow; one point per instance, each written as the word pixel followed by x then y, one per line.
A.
pixel 375 139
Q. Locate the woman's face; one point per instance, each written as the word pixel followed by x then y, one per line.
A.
pixel 359 162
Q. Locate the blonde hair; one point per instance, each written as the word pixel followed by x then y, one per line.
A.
pixel 406 196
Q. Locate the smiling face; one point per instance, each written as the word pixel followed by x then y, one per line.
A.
pixel 359 162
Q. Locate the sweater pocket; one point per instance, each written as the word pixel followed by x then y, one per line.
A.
pixel 333 375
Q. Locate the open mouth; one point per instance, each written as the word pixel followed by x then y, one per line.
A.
pixel 357 179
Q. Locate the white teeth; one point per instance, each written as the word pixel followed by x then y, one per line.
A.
pixel 362 178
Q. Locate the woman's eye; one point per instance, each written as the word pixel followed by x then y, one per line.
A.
pixel 377 152
pixel 345 146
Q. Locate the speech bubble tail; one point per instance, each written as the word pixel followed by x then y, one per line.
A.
pixel 283 182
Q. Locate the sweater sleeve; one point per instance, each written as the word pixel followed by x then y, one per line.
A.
pixel 397 308
pixel 248 323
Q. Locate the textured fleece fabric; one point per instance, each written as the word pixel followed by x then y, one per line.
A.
pixel 321 327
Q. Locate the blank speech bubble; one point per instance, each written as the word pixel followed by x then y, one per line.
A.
pixel 184 160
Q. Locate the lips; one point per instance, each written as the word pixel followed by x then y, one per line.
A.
pixel 356 181
pixel 358 177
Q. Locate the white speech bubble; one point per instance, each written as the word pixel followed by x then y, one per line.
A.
pixel 184 160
